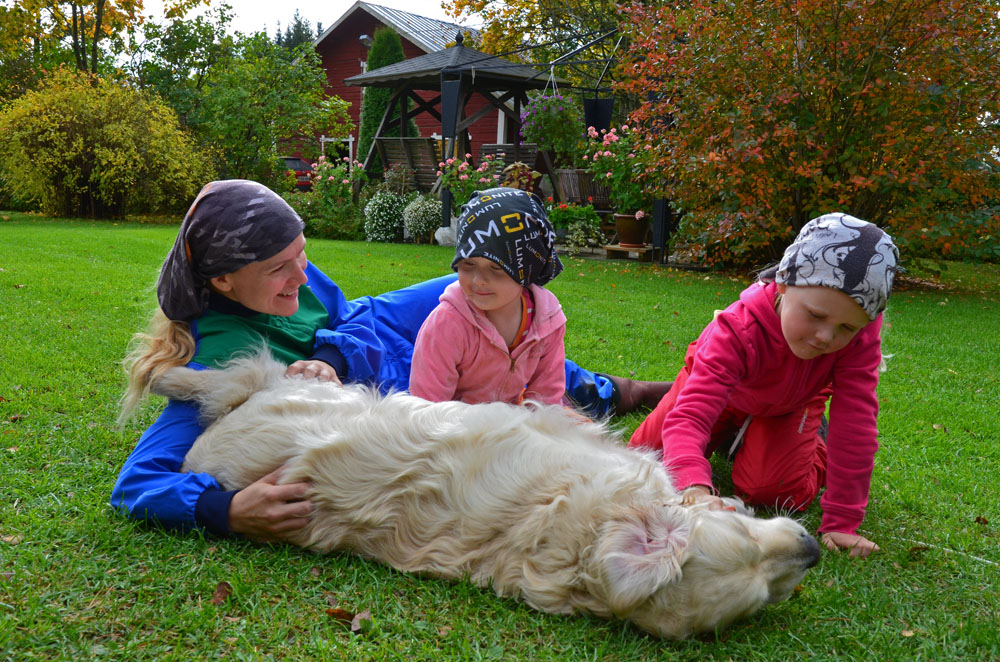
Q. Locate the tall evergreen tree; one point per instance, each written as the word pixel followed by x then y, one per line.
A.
pixel 386 49
pixel 297 33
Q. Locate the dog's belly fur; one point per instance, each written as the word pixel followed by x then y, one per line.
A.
pixel 543 506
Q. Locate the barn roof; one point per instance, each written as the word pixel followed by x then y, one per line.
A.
pixel 429 34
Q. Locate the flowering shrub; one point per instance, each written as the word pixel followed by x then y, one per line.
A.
pixel 612 159
pixel 554 122
pixel 334 181
pixel 422 217
pixel 563 214
pixel 462 179
pixel 384 216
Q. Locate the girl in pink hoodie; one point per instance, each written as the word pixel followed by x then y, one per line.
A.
pixel 756 382
pixel 497 334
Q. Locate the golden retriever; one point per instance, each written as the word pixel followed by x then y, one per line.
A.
pixel 531 500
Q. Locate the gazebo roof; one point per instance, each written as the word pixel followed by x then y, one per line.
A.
pixel 486 73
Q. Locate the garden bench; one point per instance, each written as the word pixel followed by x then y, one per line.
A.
pixel 420 155
pixel 526 152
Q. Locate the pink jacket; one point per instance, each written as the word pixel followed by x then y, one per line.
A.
pixel 459 354
pixel 742 361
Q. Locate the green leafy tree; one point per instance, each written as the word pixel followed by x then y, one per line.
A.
pixel 175 58
pixel 386 49
pixel 768 114
pixel 260 96
pixel 81 145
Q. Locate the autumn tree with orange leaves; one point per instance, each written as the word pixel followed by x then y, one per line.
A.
pixel 768 114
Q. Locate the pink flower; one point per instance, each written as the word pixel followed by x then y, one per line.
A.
pixel 439 173
pixel 450 161
pixel 322 158
pixel 463 177
pixel 608 175
pixel 347 159
pixel 607 153
pixel 346 181
pixel 330 178
pixel 639 215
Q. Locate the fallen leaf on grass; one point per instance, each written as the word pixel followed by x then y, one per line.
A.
pixel 907 633
pixel 12 540
pixel 222 593
pixel 15 418
pixel 342 615
pixel 7 575
pixel 315 571
pixel 982 520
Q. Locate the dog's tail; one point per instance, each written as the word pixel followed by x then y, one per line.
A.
pixel 217 392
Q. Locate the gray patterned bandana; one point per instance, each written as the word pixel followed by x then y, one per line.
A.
pixel 845 253
pixel 232 223
pixel 508 226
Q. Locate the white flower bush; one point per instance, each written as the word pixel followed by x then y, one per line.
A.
pixel 422 217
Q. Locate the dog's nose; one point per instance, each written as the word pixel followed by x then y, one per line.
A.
pixel 811 550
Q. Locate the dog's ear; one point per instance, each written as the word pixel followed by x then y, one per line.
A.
pixel 642 552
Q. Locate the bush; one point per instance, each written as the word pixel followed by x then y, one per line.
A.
pixel 459 177
pixel 384 217
pixel 422 217
pixel 87 146
pixel 563 214
pixel 322 222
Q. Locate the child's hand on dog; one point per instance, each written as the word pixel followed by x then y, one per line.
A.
pixel 313 369
pixel 703 494
pixel 267 512
pixel 858 545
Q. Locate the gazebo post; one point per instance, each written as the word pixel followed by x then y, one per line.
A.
pixel 451 92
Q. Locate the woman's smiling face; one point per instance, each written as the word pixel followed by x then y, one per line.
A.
pixel 817 320
pixel 270 286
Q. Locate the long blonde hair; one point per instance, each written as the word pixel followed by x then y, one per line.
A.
pixel 166 344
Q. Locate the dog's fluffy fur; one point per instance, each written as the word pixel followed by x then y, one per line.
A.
pixel 529 500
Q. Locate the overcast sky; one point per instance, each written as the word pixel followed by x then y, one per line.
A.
pixel 253 15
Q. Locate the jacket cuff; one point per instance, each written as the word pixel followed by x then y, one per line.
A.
pixel 211 511
pixel 331 355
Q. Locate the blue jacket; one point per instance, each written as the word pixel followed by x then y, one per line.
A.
pixel 373 338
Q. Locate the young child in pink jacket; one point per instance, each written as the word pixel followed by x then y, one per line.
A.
pixel 756 382
pixel 497 334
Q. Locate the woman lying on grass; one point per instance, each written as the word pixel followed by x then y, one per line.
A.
pixel 237 278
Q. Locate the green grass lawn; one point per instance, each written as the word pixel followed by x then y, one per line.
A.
pixel 77 581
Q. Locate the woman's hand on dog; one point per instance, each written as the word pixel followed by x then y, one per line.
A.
pixel 313 369
pixel 858 545
pixel 265 511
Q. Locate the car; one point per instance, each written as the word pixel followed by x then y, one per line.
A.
pixel 303 171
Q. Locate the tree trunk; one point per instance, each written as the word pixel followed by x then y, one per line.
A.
pixel 97 35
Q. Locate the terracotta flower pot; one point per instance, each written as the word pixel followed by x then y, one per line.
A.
pixel 631 231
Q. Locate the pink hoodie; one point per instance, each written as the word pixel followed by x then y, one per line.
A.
pixel 460 355
pixel 743 361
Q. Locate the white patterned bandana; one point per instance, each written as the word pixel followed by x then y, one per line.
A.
pixel 232 223
pixel 845 253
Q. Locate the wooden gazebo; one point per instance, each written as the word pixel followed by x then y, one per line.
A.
pixel 457 74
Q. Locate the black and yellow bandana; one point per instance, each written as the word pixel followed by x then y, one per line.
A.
pixel 509 227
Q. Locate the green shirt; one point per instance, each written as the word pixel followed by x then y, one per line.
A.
pixel 222 336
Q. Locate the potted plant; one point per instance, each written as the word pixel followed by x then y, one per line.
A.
pixel 612 159
pixel 555 123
